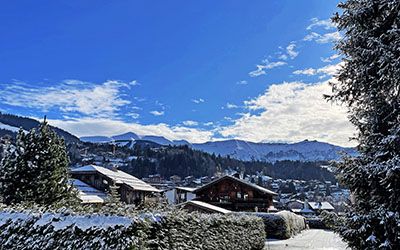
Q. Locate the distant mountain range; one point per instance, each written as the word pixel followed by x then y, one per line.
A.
pixel 238 149
pixel 242 150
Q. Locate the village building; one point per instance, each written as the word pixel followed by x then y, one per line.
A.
pixel 179 195
pixel 235 194
pixel 318 207
pixel 131 189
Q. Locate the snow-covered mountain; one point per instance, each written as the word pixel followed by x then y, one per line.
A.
pixel 244 150
pixel 302 151
pixel 8 127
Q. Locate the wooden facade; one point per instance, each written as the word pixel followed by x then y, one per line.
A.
pixel 236 195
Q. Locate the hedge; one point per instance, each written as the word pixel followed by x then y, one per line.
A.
pixel 182 230
pixel 171 230
pixel 282 225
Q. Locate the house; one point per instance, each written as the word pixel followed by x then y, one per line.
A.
pixel 88 194
pixel 321 206
pixel 131 189
pixel 203 207
pixel 313 208
pixel 175 178
pixel 235 194
pixel 179 195
pixel 294 204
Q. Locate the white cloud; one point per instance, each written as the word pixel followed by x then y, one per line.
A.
pixel 309 71
pixel 292 112
pixel 324 38
pixel 231 106
pixel 208 123
pixel 328 70
pixel 190 123
pixel 267 65
pixel 242 82
pixel 197 101
pixel 96 100
pixel 329 37
pixel 108 127
pixel 290 50
pixel 157 113
pixel 311 36
pixel 133 115
pixel 326 24
pixel 330 58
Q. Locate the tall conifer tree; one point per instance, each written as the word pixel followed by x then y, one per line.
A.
pixel 369 84
pixel 36 169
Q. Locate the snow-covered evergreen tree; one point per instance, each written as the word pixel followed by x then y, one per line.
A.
pixel 369 84
pixel 113 198
pixel 36 169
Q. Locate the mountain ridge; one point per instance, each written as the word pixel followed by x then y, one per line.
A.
pixel 244 150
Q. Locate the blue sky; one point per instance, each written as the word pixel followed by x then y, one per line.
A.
pixel 195 70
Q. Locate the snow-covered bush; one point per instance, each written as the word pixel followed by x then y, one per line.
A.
pixel 60 231
pixel 22 229
pixel 182 230
pixel 282 225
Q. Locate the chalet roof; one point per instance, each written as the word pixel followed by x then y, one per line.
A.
pixel 251 185
pixel 206 206
pixel 186 189
pixel 321 205
pixel 88 194
pixel 118 176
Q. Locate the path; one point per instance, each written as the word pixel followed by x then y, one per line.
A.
pixel 308 239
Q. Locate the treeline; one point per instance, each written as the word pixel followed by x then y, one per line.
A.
pixel 184 161
pixel 29 123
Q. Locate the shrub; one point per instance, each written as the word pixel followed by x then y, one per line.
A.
pixel 182 230
pixel 282 225
pixel 168 230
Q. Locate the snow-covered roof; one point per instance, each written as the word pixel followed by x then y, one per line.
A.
pixel 254 186
pixel 88 194
pixel 321 205
pixel 118 176
pixel 186 189
pixel 208 207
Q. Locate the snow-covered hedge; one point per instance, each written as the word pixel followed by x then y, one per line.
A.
pixel 57 231
pixel 282 225
pixel 170 230
pixel 182 230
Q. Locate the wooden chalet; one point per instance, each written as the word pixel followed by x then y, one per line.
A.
pixel 235 194
pixel 131 189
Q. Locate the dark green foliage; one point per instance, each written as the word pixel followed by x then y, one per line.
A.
pixel 113 198
pixel 35 169
pixel 369 84
pixel 281 225
pixel 332 220
pixel 172 230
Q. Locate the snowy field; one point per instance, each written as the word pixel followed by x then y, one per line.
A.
pixel 308 239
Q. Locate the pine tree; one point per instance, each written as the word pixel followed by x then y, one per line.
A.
pixel 369 84
pixel 113 198
pixel 36 169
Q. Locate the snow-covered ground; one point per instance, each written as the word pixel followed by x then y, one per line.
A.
pixel 308 239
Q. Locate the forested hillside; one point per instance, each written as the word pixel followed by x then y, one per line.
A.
pixel 29 123
pixel 184 161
